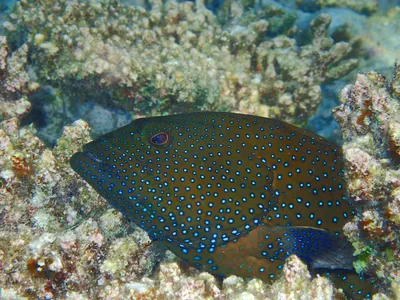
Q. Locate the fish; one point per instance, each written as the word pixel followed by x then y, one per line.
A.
pixel 229 193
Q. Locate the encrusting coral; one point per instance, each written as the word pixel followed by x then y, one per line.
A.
pixel 370 121
pixel 177 57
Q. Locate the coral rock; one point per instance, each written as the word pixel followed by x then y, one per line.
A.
pixel 177 57
pixel 369 119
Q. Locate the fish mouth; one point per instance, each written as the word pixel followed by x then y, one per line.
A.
pixel 108 178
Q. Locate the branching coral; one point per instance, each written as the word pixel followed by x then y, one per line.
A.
pixel 369 118
pixel 177 57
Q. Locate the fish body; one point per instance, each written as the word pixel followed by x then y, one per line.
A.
pixel 228 193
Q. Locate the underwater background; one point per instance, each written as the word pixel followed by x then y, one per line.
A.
pixel 72 71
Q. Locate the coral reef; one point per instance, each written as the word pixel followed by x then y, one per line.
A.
pixel 369 119
pixel 373 39
pixel 382 49
pixel 59 240
pixel 295 283
pixel 58 237
pixel 365 6
pixel 14 80
pixel 177 57
pixel 54 233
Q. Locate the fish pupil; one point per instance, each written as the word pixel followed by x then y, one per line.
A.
pixel 159 139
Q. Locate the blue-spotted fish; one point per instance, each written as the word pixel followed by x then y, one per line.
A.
pixel 228 193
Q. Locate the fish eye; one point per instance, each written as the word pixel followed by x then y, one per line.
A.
pixel 160 139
